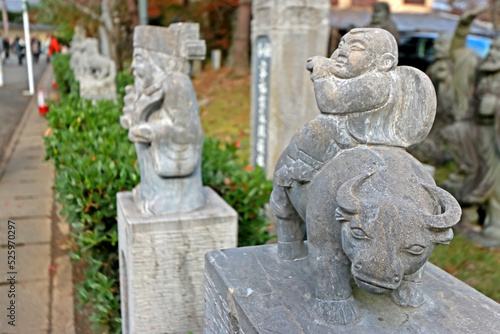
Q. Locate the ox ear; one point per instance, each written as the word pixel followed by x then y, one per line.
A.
pixel 346 198
pixel 342 216
pixel 442 237
pixel 448 210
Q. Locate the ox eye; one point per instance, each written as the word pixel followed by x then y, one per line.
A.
pixel 415 249
pixel 358 233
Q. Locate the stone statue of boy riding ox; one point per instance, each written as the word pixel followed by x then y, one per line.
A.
pixel 373 213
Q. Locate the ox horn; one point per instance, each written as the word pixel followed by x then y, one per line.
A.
pixel 346 199
pixel 450 209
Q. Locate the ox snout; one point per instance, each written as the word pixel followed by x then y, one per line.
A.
pixel 376 281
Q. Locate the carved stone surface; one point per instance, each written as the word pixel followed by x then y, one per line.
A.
pixel 161 114
pixel 161 263
pixel 381 18
pixel 250 290
pixel 373 213
pixel 285 33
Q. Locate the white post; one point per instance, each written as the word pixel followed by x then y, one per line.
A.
pixel 143 12
pixel 27 40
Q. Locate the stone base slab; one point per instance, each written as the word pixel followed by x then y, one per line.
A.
pixel 161 263
pixel 249 290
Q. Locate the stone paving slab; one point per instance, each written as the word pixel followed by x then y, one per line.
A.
pixel 32 308
pixel 19 164
pixel 29 153
pixel 33 262
pixel 35 189
pixel 45 172
pixel 33 139
pixel 39 207
pixel 62 316
pixel 31 230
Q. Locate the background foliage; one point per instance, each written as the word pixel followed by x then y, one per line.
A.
pixel 94 160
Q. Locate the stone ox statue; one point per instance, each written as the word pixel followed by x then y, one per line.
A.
pixel 373 213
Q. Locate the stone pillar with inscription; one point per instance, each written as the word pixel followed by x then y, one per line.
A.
pixel 285 34
pixel 169 221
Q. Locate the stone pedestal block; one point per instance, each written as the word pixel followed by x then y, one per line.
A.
pixel 249 290
pixel 161 263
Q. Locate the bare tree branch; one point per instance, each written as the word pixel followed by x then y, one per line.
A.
pixel 86 10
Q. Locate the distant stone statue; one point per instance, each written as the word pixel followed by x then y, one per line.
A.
pixel 161 114
pixel 97 78
pixel 373 213
pixel 481 181
pixel 454 77
pixel 80 52
pixel 78 37
pixel 95 73
pixel 381 18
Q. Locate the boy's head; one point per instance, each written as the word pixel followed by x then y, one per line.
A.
pixel 363 50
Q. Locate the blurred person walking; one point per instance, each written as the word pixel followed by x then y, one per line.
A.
pixel 36 48
pixel 6 47
pixel 54 47
pixel 18 47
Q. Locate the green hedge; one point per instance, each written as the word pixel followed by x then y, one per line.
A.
pixel 94 160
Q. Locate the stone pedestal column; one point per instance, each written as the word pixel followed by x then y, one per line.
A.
pixel 250 290
pixel 161 263
pixel 285 33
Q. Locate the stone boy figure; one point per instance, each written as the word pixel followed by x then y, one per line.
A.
pixel 161 114
pixel 373 213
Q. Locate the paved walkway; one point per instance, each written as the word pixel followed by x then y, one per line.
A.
pixel 43 289
pixel 12 101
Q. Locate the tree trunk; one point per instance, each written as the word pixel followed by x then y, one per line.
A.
pixel 133 12
pixel 494 14
pixel 5 19
pixel 242 39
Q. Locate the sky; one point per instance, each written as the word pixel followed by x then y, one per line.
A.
pixel 17 5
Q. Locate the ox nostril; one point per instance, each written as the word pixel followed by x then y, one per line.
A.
pixel 357 266
pixel 396 278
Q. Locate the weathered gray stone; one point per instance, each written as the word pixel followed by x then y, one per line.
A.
pixel 161 114
pixel 373 212
pixel 161 263
pixel 250 290
pixel 285 34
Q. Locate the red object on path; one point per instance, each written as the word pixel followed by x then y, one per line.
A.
pixel 43 108
pixel 54 84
